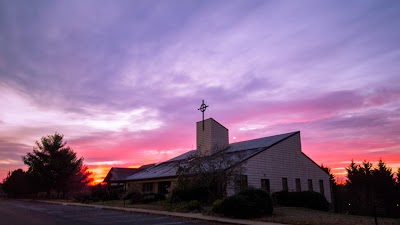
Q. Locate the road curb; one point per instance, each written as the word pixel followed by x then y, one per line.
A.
pixel 197 216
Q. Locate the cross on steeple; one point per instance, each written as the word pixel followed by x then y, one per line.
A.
pixel 203 108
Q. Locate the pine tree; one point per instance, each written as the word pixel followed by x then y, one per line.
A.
pixel 55 166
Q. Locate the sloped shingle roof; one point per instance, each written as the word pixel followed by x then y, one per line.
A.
pixel 239 150
pixel 119 174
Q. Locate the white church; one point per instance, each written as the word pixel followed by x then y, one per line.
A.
pixel 273 163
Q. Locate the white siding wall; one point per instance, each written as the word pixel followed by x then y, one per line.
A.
pixel 284 159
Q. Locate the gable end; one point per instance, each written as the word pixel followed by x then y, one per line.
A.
pixel 265 148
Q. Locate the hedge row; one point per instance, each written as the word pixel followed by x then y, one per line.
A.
pixel 137 197
pixel 247 204
pixel 308 199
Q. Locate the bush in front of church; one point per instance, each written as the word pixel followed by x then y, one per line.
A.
pixel 308 199
pixel 152 197
pixel 189 193
pixel 249 203
pixel 133 196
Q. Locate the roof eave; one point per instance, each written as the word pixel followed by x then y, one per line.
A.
pixel 153 178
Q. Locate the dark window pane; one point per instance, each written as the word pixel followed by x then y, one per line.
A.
pixel 321 187
pixel 298 185
pixel 243 184
pixel 163 187
pixel 310 186
pixel 284 184
pixel 240 183
pixel 265 185
pixel 147 187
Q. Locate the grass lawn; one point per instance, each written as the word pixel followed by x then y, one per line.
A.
pixel 293 215
pixel 120 203
pixel 286 215
pixel 160 205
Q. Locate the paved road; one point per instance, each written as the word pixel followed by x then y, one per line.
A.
pixel 14 212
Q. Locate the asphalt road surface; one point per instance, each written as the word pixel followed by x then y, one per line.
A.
pixel 14 212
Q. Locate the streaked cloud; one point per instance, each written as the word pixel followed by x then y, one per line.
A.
pixel 105 163
pixel 122 80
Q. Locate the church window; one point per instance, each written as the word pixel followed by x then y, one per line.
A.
pixel 310 186
pixel 265 185
pixel 321 186
pixel 147 187
pixel 298 185
pixel 284 184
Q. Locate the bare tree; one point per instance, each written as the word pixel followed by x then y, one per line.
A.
pixel 205 177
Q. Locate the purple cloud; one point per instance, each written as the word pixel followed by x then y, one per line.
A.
pixel 135 72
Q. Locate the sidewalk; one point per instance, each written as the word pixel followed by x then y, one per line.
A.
pixel 197 216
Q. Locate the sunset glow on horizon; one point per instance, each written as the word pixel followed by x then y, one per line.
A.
pixel 122 81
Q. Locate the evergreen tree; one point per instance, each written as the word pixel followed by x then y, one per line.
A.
pixel 328 170
pixel 371 188
pixel 55 166
pixel 384 186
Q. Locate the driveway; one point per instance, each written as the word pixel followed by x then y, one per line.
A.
pixel 14 212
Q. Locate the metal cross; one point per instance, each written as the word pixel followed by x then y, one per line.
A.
pixel 203 108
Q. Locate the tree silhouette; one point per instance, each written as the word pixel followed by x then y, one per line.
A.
pixel 15 184
pixel 338 191
pixel 371 188
pixel 398 176
pixel 331 176
pixel 205 177
pixel 55 166
pixel 384 186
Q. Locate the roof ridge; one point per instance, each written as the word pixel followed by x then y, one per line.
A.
pixel 265 137
pixel 125 168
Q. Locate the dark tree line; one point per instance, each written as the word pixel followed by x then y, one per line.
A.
pixel 53 167
pixel 369 190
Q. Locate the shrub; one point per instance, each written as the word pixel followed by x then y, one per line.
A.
pixel 217 203
pixel 113 195
pixel 82 197
pixel 308 199
pixel 96 193
pixel 247 204
pixel 133 197
pixel 189 193
pixel 193 205
pixel 152 197
pixel 236 206
pixel 99 193
pixel 262 199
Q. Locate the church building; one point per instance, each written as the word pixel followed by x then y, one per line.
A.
pixel 273 163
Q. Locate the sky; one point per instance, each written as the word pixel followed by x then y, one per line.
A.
pixel 122 80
